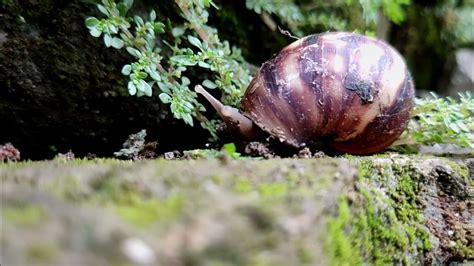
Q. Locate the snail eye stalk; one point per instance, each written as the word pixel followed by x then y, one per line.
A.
pixel 231 116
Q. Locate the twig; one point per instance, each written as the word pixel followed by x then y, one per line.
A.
pixel 196 27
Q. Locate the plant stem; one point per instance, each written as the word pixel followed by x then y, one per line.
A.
pixel 187 14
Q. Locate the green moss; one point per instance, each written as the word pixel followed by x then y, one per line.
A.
pixel 41 253
pixel 111 188
pixel 273 190
pixel 305 255
pixel 293 179
pixel 461 250
pixel 385 226
pixel 27 215
pixel 243 186
pixel 460 169
pixel 339 243
pixel 67 187
pixel 125 197
pixel 144 213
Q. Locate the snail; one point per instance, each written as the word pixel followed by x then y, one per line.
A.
pixel 351 92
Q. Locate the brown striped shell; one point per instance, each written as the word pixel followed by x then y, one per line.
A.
pixel 349 90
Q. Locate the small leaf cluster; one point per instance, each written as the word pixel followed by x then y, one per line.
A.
pixel 349 15
pixel 230 150
pixel 443 120
pixel 231 76
pixel 457 22
pixel 286 10
pixel 6 2
pixel 163 67
pixel 392 9
pixel 116 31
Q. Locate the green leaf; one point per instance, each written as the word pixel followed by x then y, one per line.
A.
pixel 134 52
pixel 164 88
pixel 187 106
pixel 209 84
pixel 108 40
pixel 91 22
pixel 205 46
pixel 454 127
pixel 393 10
pixel 95 32
pixel 462 126
pixel 155 75
pixel 183 60
pixel 132 89
pixel 138 20
pixel 231 150
pixel 177 31
pixel 122 8
pixel 103 9
pixel 188 119
pixel 117 43
pixel 141 85
pixel 147 69
pixel 113 29
pixel 159 27
pixel 204 64
pixel 141 75
pixel 152 15
pixel 128 3
pixel 165 98
pixel 194 41
pixel 185 81
pixel 126 70
pixel 147 89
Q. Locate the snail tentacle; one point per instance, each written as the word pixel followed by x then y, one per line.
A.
pixel 231 116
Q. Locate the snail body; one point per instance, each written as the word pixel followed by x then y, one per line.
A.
pixel 350 91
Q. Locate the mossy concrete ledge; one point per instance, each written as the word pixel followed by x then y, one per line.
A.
pixel 334 211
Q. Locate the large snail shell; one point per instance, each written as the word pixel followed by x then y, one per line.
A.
pixel 350 90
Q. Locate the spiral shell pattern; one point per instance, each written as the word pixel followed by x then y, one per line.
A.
pixel 349 91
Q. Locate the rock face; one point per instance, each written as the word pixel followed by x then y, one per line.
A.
pixel 343 211
pixel 62 89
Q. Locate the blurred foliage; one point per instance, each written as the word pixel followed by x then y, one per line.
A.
pixel 6 2
pixel 303 17
pixel 442 120
pixel 289 13
pixel 457 19
pixel 429 37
